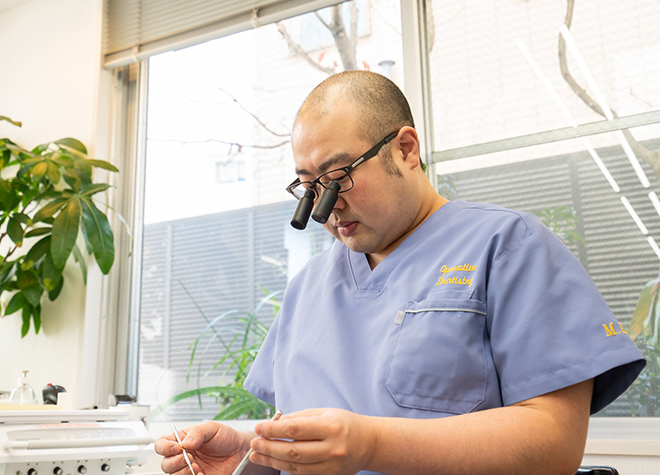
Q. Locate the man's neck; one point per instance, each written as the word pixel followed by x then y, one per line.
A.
pixel 426 211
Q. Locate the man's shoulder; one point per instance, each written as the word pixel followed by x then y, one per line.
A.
pixel 494 218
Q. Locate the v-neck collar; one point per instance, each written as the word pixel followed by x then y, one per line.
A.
pixel 369 280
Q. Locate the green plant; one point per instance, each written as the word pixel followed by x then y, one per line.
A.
pixel 46 194
pixel 563 222
pixel 241 339
pixel 645 331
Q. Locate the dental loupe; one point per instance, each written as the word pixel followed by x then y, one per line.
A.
pixel 323 208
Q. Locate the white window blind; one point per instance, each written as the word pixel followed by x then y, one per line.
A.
pixel 137 29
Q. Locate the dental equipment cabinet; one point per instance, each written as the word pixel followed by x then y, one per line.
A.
pixel 79 442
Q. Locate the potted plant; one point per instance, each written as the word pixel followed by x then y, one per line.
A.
pixel 46 198
pixel 645 331
pixel 241 345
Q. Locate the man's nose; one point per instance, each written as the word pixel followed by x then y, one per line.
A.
pixel 340 203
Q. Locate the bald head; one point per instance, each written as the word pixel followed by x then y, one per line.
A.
pixel 380 103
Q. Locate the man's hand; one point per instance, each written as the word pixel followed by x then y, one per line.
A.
pixel 317 441
pixel 544 435
pixel 214 449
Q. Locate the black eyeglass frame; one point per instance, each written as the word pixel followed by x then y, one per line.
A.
pixel 372 152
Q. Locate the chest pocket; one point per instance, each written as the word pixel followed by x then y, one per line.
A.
pixel 438 360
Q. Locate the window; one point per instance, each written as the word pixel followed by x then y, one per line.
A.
pixel 229 172
pixel 217 238
pixel 528 114
pixel 567 129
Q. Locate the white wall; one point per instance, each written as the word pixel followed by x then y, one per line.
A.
pixel 51 56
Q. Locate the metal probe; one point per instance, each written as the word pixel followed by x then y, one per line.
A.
pixel 185 454
pixel 246 459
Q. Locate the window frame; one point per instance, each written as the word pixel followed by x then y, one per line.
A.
pixel 120 306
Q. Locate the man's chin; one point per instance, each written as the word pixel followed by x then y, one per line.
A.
pixel 355 244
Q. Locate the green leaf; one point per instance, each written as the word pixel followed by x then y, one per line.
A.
pixel 72 143
pixel 98 234
pixel 29 162
pixel 238 408
pixel 39 149
pixel 51 275
pixel 38 250
pixel 653 327
pixel 29 284
pixel 36 317
pixel 101 164
pixel 38 232
pixel 33 294
pixel 74 178
pixel 53 173
pixel 93 189
pixel 211 391
pixel 65 232
pixel 53 294
pixel 26 321
pixel 80 259
pixel 7 194
pixel 62 160
pixel 15 231
pixel 22 218
pixel 49 209
pixel 16 303
pixel 5 118
pixel 641 315
pixel 6 269
pixel 39 170
pixel 25 279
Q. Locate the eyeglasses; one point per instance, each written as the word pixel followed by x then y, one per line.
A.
pixel 341 176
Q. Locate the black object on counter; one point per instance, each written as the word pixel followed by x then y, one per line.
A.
pixel 50 393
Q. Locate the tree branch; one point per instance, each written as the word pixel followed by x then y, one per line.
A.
pixel 297 49
pixel 185 142
pixel 346 45
pixel 354 20
pixel 251 114
pixel 651 157
pixel 320 18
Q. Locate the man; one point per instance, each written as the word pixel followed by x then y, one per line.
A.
pixel 423 309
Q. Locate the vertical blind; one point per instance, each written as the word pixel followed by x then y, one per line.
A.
pixel 137 29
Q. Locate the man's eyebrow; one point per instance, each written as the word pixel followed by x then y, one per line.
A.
pixel 326 165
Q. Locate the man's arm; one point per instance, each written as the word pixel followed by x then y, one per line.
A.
pixel 543 435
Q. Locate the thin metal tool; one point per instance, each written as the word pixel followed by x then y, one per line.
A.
pixel 246 459
pixel 185 454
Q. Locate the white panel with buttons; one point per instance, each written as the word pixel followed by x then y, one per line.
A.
pixel 91 442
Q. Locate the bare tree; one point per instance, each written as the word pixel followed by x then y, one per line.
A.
pixel 345 37
pixel 652 157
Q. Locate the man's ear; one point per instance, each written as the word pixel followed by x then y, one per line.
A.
pixel 409 146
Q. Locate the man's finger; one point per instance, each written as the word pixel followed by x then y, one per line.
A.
pixel 185 471
pixel 305 413
pixel 306 452
pixel 287 465
pixel 299 428
pixel 196 435
pixel 175 464
pixel 167 446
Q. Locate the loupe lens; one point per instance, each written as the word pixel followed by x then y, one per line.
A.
pixel 326 203
pixel 303 210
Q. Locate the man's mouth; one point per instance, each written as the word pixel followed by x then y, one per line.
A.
pixel 346 228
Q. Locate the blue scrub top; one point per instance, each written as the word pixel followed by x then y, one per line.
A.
pixel 478 308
